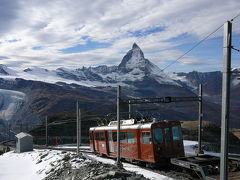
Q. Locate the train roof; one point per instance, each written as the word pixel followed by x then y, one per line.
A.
pixel 126 124
pixel 135 126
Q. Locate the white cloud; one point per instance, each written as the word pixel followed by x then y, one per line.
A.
pixel 54 25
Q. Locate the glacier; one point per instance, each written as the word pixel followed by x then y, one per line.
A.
pixel 10 102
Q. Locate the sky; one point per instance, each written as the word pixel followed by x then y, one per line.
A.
pixel 72 34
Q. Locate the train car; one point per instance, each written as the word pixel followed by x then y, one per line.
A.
pixel 153 143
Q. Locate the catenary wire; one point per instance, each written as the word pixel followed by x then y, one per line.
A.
pixel 197 44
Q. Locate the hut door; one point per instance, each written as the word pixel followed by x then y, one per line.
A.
pixel 110 142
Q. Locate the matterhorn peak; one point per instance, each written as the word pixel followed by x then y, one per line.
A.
pixel 134 46
pixel 133 59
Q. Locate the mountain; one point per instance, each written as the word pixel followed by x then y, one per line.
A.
pixel 46 92
pixel 133 67
pixel 4 70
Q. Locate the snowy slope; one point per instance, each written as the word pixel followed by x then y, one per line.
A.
pixel 38 164
pixel 10 102
pixel 26 166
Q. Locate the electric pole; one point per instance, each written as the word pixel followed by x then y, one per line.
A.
pixel 46 130
pixel 118 163
pixel 129 109
pixel 200 117
pixel 78 128
pixel 227 45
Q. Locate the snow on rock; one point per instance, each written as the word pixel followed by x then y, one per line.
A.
pixel 133 59
pixel 53 164
pixel 26 166
pixel 10 102
pixel 36 165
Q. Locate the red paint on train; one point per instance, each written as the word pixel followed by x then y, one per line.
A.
pixel 154 142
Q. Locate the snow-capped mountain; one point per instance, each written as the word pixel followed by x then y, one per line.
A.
pixel 133 67
pixel 4 70
pixel 49 91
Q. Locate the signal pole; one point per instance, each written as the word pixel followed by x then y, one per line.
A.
pixel 227 45
pixel 78 127
pixel 200 117
pixel 129 109
pixel 118 163
pixel 46 130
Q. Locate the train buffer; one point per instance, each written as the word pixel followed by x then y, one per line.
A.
pixel 208 166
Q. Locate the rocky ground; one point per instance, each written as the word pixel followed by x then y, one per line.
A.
pixel 73 167
pixel 62 165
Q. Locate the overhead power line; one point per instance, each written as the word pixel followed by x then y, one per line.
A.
pixel 197 44
pixel 235 17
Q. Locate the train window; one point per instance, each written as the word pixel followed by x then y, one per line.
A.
pixel 114 136
pixel 96 136
pixel 157 136
pixel 130 137
pixel 167 135
pixel 146 138
pixel 176 131
pixel 123 137
pixel 110 136
pixel 101 136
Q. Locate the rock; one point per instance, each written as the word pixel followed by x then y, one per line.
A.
pixel 39 161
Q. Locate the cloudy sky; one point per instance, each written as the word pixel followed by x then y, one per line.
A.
pixel 76 33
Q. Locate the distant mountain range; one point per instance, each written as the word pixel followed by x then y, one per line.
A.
pixel 50 91
pixel 133 67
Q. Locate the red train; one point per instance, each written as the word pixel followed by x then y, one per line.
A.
pixel 153 143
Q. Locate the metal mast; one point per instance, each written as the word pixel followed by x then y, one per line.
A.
pixel 129 109
pixel 46 130
pixel 225 99
pixel 118 163
pixel 200 117
pixel 77 114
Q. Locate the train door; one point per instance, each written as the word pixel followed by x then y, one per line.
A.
pixel 168 141
pixel 96 138
pixel 178 147
pixel 159 144
pixel 92 144
pixel 110 142
pixel 146 146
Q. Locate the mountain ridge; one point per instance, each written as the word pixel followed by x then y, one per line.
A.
pixel 52 91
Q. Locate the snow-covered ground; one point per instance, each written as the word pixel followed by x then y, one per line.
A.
pixel 36 165
pixel 25 166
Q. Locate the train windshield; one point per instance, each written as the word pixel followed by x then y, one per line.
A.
pixel 176 131
pixel 157 136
